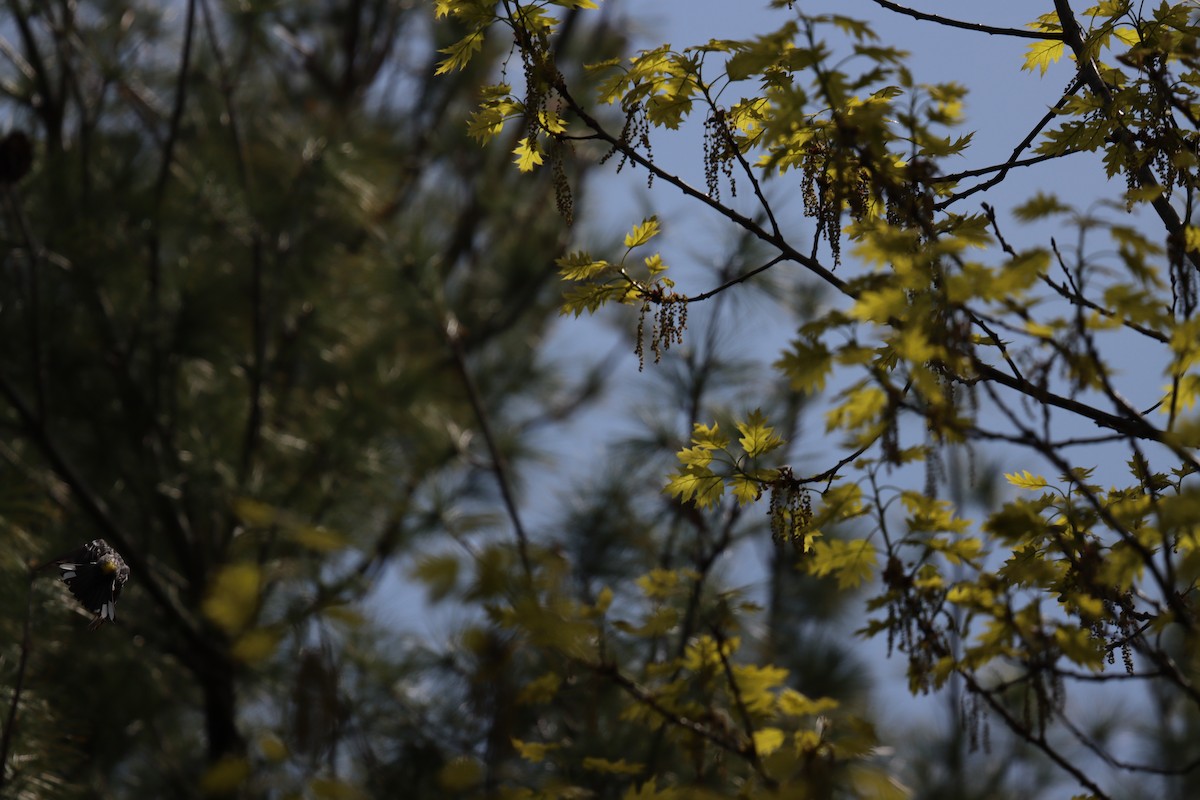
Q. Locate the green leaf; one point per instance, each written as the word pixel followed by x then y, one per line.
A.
pixel 232 600
pixel 745 489
pixel 257 645
pixel 1041 54
pixel 851 562
pixel 757 437
pixel 460 774
pixel 1192 238
pixel 333 789
pixel 460 53
pixel 1128 35
pixel 618 767
pixel 807 365
pixel 317 538
pixel 768 740
pixel 540 690
pixel 796 704
pixel 534 752
pixel 1080 646
pixel 528 155
pixel 1040 205
pixel 697 485
pixel 642 233
pixel 1026 480
pixel 225 776
pixel 579 266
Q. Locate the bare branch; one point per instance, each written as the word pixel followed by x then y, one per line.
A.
pixel 499 463
pixel 991 30
pixel 1014 159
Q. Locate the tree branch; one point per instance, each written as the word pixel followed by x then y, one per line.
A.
pixel 1013 159
pixel 977 27
pixel 499 461
pixel 740 220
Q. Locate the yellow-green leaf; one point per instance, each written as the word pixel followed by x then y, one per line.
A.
pixel 806 365
pixel 528 155
pixel 1127 35
pixel 709 435
pixel 757 685
pixel 757 437
pixel 767 741
pixel 1025 480
pixel 698 485
pixel 540 690
pixel 459 54
pixel 254 513
pixel 232 601
pixel 796 704
pixel 333 789
pixel 460 774
pixel 699 456
pixel 745 489
pixel 256 646
pixel 851 562
pixel 319 539
pixel 618 767
pixel 1041 54
pixel 272 748
pixel 1191 235
pixel 225 776
pixel 1080 646
pixel 579 266
pixel 647 230
pixel 534 752
pixel 439 573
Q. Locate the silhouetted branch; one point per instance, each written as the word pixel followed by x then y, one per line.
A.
pixel 968 26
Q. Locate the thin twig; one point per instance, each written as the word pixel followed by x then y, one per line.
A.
pixel 745 276
pixel 1014 159
pixel 499 463
pixel 1038 742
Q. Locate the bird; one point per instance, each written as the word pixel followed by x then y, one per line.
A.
pixel 95 574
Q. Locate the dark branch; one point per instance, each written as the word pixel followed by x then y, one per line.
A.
pixel 977 27
pixel 499 462
pixel 1014 159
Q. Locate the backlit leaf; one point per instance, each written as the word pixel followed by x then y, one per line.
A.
pixel 1041 54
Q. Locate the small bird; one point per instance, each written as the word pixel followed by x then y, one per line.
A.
pixel 95 574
